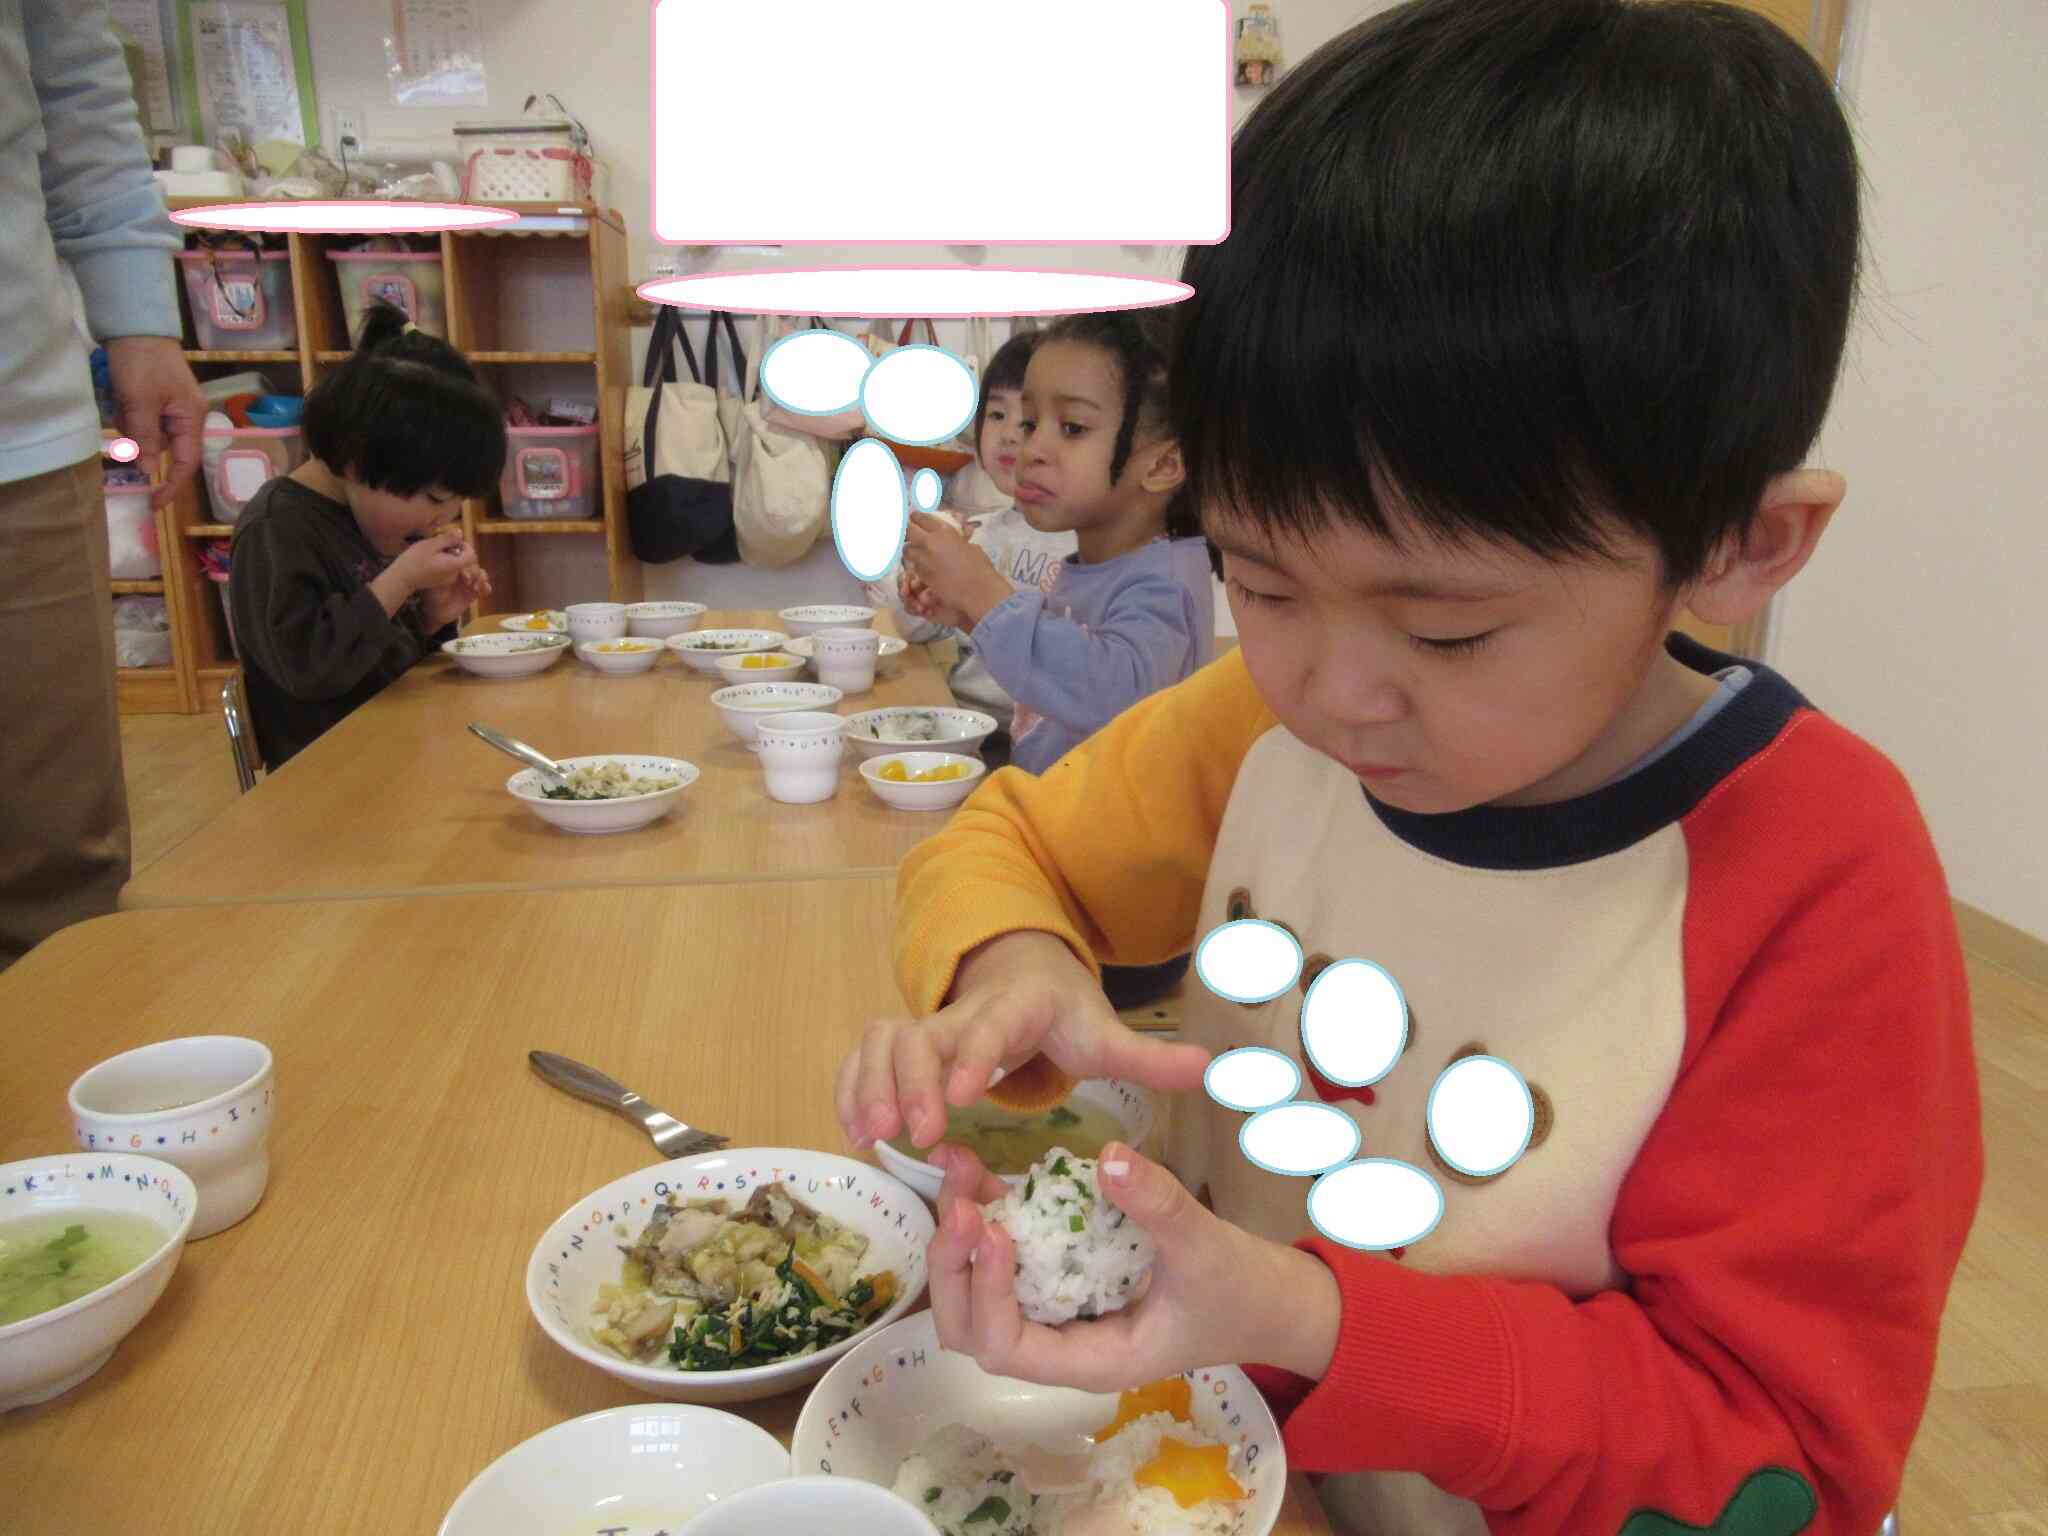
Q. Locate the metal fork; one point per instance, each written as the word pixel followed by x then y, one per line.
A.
pixel 670 1136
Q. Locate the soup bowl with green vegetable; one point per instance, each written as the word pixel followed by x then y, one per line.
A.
pixel 88 1241
pixel 1097 1112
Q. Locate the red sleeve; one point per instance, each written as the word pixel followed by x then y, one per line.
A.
pixel 1790 1226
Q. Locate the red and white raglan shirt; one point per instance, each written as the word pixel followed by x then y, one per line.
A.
pixel 1707 1296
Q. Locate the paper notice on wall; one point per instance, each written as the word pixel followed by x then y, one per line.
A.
pixel 434 54
pixel 246 74
pixel 144 21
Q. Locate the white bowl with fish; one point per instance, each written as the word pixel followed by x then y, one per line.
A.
pixel 643 1468
pixel 88 1241
pixel 703 649
pixel 1093 1114
pixel 547 621
pixel 730 1276
pixel 609 792
pixel 888 655
pixel 879 732
pixel 985 1455
pixel 507 654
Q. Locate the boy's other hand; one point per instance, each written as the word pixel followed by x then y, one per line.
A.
pixel 445 605
pixel 434 561
pixel 1014 997
pixel 1192 1313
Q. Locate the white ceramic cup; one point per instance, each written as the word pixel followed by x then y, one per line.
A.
pixel 590 623
pixel 203 1104
pixel 800 754
pixel 812 1504
pixel 845 658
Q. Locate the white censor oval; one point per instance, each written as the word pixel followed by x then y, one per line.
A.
pixel 1376 1203
pixel 1300 1140
pixel 815 373
pixel 869 511
pixel 1481 1115
pixel 1354 1022
pixel 918 394
pixel 1252 1078
pixel 1248 961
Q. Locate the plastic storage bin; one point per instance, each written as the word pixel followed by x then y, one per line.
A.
pixel 142 632
pixel 411 280
pixel 133 552
pixel 241 302
pixel 550 472
pixel 238 463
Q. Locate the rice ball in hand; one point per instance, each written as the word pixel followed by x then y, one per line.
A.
pixel 1078 1256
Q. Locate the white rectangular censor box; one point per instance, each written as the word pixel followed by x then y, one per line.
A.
pixel 953 122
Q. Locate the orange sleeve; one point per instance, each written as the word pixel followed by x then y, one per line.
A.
pixel 1108 850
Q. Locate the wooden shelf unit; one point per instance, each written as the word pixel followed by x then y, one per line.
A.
pixel 508 294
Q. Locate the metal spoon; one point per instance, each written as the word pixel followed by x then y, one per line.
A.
pixel 514 748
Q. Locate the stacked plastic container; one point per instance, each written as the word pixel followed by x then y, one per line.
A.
pixel 133 551
pixel 239 462
pixel 550 472
pixel 408 280
pixel 241 302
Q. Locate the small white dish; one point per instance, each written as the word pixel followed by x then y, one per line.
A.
pixel 941 795
pixel 806 1504
pixel 548 621
pixel 812 617
pixel 628 813
pixel 800 753
pixel 703 649
pixel 640 1469
pixel 657 621
pixel 624 655
pixel 1131 1105
pixel 203 1104
pixel 507 655
pixel 888 660
pixel 742 706
pixel 54 1351
pixel 908 1388
pixel 591 622
pixel 579 1252
pixel 960 730
pixel 761 667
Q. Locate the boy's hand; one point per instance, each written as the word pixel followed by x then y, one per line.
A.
pixel 959 575
pixel 1015 996
pixel 1192 1314
pixel 443 606
pixel 432 562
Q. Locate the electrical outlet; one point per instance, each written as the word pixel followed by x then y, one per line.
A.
pixel 348 130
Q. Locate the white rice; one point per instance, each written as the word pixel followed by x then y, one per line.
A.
pixel 955 1474
pixel 1077 1254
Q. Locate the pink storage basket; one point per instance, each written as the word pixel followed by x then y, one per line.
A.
pixel 409 280
pixel 240 463
pixel 550 472
pixel 241 302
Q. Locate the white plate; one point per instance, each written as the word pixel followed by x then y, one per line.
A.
pixel 892 1390
pixel 557 622
pixel 739 643
pixel 646 1468
pixel 506 655
pixel 658 621
pixel 966 730
pixel 580 1252
pixel 625 814
pixel 1131 1105
pixel 940 795
pixel 887 657
pixel 641 659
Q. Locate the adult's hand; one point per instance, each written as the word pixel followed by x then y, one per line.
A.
pixel 157 397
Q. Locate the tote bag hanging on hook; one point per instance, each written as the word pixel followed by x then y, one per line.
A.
pixel 782 482
pixel 839 427
pixel 682 503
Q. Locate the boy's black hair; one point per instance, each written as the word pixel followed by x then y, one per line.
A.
pixel 405 414
pixel 1511 264
pixel 1140 341
pixel 1005 371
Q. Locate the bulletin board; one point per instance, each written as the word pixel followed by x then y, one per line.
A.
pixel 246 64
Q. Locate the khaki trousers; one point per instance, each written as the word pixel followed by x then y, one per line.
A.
pixel 63 805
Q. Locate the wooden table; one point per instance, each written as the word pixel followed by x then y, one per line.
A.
pixel 399 799
pixel 350 1356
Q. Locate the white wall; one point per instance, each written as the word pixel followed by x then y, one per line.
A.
pixel 1921 623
